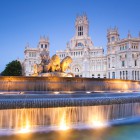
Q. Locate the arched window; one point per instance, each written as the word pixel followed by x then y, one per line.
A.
pixel 41 45
pixel 77 70
pixel 113 38
pixel 45 45
pixel 113 75
pixel 123 75
pixel 80 44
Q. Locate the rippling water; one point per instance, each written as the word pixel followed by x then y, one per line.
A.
pixel 71 122
pixel 126 132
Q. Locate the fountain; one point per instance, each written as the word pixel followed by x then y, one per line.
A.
pixel 51 100
pixel 53 67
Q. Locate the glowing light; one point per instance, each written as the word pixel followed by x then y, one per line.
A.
pixel 70 92
pixel 63 125
pixel 21 93
pixel 88 92
pixel 98 124
pixel 56 92
pixel 99 91
pixel 25 129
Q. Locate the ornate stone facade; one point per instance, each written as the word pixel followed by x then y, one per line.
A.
pixel 122 60
pixel 123 56
pixel 88 60
pixel 33 55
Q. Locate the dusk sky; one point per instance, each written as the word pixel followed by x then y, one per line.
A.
pixel 23 21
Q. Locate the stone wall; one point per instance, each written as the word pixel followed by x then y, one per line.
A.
pixel 65 84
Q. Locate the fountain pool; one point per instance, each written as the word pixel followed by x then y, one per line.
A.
pixel 67 108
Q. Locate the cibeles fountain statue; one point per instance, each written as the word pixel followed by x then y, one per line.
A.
pixel 53 66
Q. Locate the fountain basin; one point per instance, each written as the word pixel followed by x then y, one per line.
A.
pixel 65 84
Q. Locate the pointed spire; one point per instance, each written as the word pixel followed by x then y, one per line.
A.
pixel 129 34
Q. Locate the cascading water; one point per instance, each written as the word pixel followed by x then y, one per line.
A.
pixel 65 117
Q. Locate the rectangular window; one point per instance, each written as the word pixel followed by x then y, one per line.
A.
pixel 80 30
pixel 123 63
pixel 135 62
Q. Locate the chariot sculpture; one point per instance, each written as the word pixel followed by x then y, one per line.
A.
pixel 53 66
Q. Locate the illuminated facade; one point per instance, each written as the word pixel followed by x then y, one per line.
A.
pixel 88 60
pixel 122 60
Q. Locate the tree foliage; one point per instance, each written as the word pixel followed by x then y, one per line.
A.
pixel 13 68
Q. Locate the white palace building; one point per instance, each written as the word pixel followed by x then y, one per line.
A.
pixel 122 60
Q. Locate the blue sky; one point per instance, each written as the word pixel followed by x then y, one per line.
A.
pixel 23 21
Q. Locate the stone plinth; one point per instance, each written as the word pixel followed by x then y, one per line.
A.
pixel 19 83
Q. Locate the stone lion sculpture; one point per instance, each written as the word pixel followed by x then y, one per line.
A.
pixel 53 65
pixel 64 65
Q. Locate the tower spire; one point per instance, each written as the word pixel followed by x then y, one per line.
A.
pixel 82 25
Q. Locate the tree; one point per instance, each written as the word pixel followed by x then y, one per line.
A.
pixel 13 68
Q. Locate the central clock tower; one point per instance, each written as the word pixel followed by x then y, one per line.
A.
pixel 82 26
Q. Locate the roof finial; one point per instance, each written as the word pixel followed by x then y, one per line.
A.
pixel 129 34
pixel 27 45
